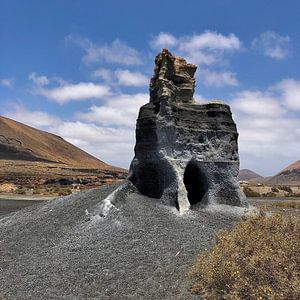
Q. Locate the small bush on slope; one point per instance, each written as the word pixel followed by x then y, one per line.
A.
pixel 258 259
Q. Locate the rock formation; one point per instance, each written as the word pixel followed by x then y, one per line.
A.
pixel 186 154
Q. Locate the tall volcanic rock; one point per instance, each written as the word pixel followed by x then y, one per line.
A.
pixel 186 154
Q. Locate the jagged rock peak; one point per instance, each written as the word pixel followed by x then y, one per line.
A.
pixel 173 79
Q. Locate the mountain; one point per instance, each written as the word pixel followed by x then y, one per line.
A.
pixel 289 175
pixel 22 142
pixel 246 174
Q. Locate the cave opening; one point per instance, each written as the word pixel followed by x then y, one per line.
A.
pixel 195 182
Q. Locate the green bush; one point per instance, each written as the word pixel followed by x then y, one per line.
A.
pixel 275 190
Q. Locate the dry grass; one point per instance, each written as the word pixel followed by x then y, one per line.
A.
pixel 287 204
pixel 257 259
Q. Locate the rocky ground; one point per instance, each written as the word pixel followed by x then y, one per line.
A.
pixel 63 248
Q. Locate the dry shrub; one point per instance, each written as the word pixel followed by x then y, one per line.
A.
pixel 250 193
pixel 286 189
pixel 257 259
pixel 64 192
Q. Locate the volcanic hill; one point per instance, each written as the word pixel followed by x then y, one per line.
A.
pixel 21 142
pixel 31 158
pixel 289 175
pixel 246 174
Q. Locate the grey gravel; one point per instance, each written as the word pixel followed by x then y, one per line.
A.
pixel 142 249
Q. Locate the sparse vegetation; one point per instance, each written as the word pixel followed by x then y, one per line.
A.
pixel 250 193
pixel 269 194
pixel 36 191
pixel 288 204
pixel 21 191
pixel 64 192
pixel 275 189
pixel 286 189
pixel 257 259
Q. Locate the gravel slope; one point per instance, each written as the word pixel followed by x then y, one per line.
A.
pixel 140 250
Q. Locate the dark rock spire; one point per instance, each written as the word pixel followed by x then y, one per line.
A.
pixel 186 154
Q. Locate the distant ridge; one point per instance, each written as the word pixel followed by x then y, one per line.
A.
pixel 246 174
pixel 21 142
pixel 289 175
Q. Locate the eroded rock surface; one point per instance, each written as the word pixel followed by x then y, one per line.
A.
pixel 186 154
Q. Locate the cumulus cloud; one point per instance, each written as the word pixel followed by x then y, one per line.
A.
pixel 121 77
pixel 290 92
pixel 268 127
pixel 273 45
pixel 38 119
pixel 118 111
pixel 75 92
pixel 116 52
pixel 7 82
pixel 112 145
pixel 39 80
pixel 128 78
pixel 218 79
pixel 258 103
pixel 106 75
pixel 207 48
pixel 163 40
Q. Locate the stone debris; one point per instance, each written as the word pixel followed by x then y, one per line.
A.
pixel 186 153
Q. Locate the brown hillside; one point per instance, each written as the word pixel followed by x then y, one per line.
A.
pixel 290 175
pixel 22 142
pixel 246 174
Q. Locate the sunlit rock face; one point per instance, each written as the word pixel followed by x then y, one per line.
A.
pixel 186 153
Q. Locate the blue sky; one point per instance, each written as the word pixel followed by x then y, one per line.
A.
pixel 81 69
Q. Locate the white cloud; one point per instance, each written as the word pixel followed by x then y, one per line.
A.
pixel 118 111
pixel 109 140
pixel 200 99
pixel 112 145
pixel 258 103
pixel 290 92
pixel 38 119
pixel 210 40
pixel 107 131
pixel 39 80
pixel 105 74
pixel 117 52
pixel 207 48
pixel 218 79
pixel 163 40
pixel 75 92
pixel 128 78
pixel 269 138
pixel 121 77
pixel 273 45
pixel 7 82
